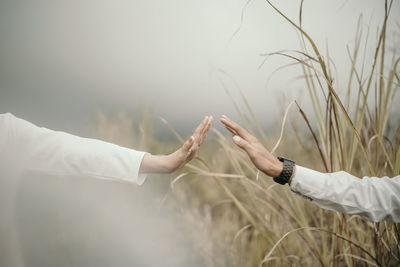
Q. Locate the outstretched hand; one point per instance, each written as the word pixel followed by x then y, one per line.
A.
pixel 258 154
pixel 169 163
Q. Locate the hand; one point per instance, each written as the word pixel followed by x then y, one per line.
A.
pixel 258 154
pixel 170 163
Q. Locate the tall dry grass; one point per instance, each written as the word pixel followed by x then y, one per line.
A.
pixel 239 217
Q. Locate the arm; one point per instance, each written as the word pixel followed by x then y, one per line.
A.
pixel 374 198
pixel 44 150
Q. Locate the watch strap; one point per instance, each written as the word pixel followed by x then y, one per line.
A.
pixel 287 171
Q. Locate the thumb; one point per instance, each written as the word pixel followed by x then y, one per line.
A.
pixel 240 142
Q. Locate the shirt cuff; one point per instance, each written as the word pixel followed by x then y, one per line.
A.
pixel 137 159
pixel 305 182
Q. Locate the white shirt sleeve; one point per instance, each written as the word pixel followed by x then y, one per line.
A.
pixel 53 152
pixel 373 198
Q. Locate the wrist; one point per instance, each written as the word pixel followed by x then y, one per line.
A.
pixel 156 164
pixel 172 162
pixel 276 168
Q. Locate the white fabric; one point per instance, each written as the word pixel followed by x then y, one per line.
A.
pixel 27 147
pixel 373 198
pixel 53 213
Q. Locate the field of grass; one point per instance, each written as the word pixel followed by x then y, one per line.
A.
pixel 240 217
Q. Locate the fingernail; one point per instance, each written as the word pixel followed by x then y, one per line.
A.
pixel 236 139
pixel 191 138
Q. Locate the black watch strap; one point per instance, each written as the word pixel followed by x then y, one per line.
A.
pixel 287 171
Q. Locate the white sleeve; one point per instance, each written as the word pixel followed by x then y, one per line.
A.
pixel 55 152
pixel 373 198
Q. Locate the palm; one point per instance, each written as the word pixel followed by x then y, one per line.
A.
pixel 189 149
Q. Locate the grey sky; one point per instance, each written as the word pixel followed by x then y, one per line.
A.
pixel 60 61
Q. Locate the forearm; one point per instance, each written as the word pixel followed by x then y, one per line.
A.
pixel 374 198
pixel 54 152
pixel 155 164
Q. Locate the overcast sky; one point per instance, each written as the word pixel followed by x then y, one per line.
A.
pixel 61 61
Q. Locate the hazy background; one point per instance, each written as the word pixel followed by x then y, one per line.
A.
pixel 61 61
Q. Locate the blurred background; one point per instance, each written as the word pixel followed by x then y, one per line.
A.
pixel 62 61
pixel 110 69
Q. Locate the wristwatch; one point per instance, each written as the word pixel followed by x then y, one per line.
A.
pixel 287 171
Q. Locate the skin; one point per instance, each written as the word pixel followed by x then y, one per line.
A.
pixel 258 154
pixel 170 163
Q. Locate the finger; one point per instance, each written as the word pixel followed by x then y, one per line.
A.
pixel 188 144
pixel 231 130
pixel 200 128
pixel 206 129
pixel 233 125
pixel 240 142
pixel 206 126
